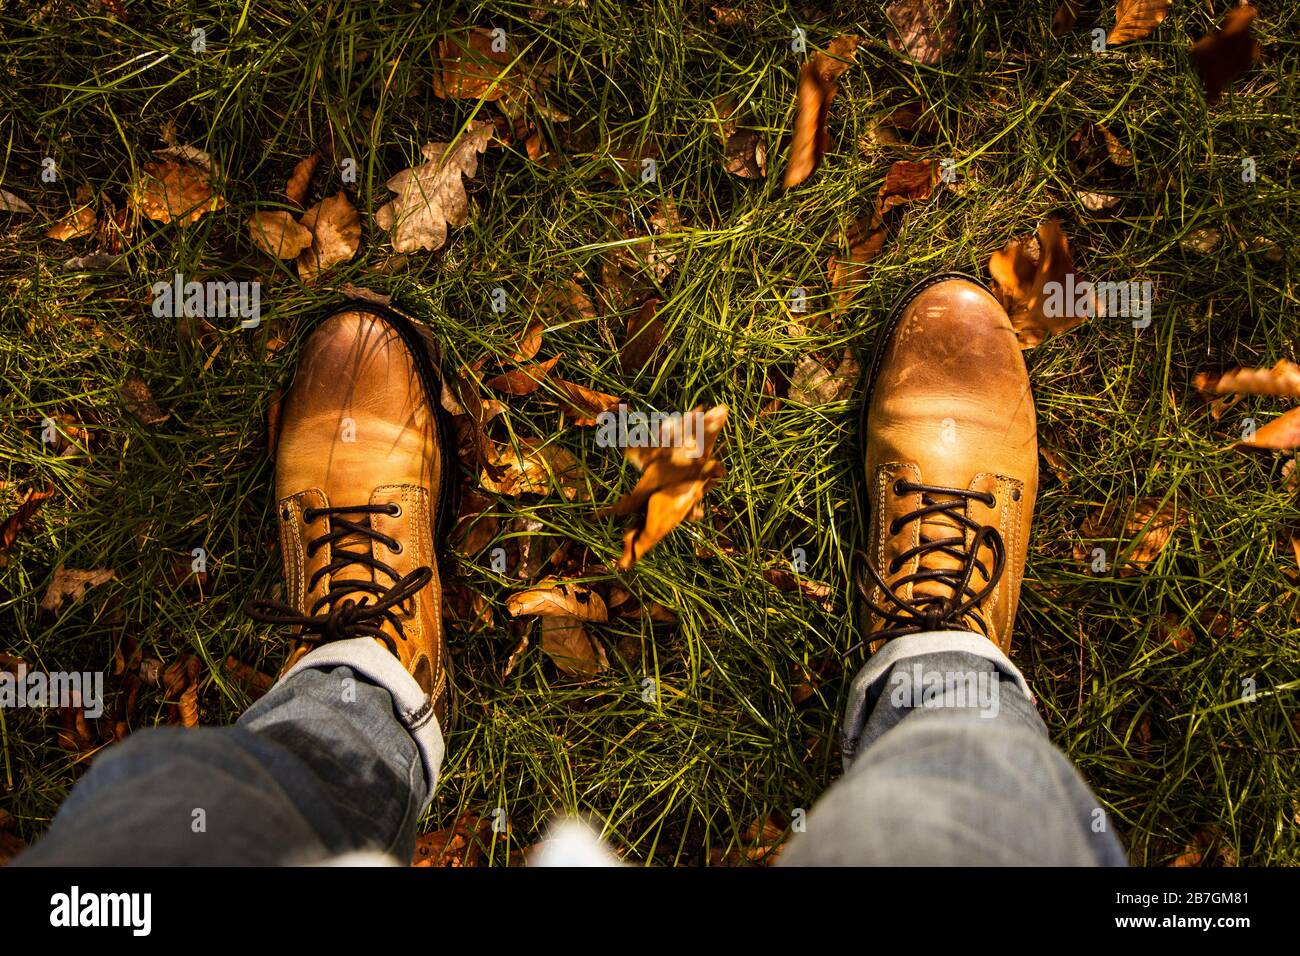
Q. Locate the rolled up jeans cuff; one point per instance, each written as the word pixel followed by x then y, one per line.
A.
pixel 414 708
pixel 866 685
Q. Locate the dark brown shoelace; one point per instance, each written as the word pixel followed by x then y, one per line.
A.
pixel 932 612
pixel 347 617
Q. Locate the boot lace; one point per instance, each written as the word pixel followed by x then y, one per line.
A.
pixel 348 617
pixel 928 612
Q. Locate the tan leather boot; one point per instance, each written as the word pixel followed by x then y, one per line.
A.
pixel 951 451
pixel 362 493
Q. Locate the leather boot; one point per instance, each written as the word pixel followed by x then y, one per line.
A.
pixel 362 493
pixel 951 456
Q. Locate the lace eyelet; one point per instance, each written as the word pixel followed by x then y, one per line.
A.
pixel 285 514
pixel 396 547
pixel 309 515
pixel 395 510
pixel 893 527
pixel 898 487
pixel 1015 494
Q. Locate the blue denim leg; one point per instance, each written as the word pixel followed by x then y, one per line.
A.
pixel 325 763
pixel 949 764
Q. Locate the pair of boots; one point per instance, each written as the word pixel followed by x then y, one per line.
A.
pixel 950 470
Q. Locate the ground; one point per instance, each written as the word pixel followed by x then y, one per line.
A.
pixel 751 677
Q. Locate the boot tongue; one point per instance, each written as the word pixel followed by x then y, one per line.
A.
pixel 937 527
pixel 356 571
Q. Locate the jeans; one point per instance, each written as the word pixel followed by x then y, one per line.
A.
pixel 946 760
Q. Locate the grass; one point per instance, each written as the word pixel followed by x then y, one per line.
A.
pixel 1163 736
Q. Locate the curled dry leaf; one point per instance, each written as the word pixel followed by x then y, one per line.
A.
pixel 532 469
pixel 677 468
pixel 530 343
pixel 69 584
pixel 1135 19
pixel 1280 434
pixel 818 85
pixel 582 404
pixel 173 191
pixel 524 380
pixel 552 598
pixel 21 519
pixel 1282 379
pixel 278 234
pixel 926 30
pixel 1032 290
pixel 1226 53
pixel 300 179
pixel 80 222
pixel 431 196
pixel 335 227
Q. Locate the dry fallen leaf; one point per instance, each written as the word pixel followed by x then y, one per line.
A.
pixel 905 182
pixel 460 845
pixel 1024 285
pixel 69 585
pixel 1066 16
pixel 296 188
pixel 523 380
pixel 925 29
pixel 1282 379
pixel 1226 53
pixel 532 469
pixel 467 66
pixel 174 191
pixel 431 196
pixel 676 471
pixel 11 203
pixel 474 528
pixel 551 597
pixel 1135 19
pixel 139 402
pixel 18 522
pixel 80 222
pixel 278 234
pixel 575 652
pixel 1148 527
pixel 645 332
pixel 744 149
pixel 335 228
pixel 582 404
pixel 819 383
pixel 818 84
pixel 1282 433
